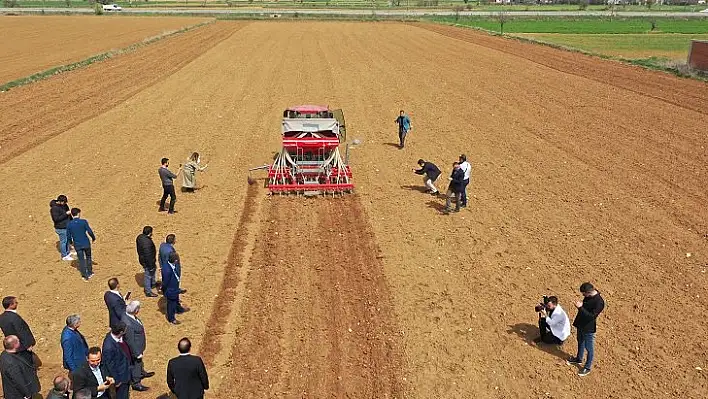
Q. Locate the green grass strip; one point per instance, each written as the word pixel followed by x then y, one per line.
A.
pixel 94 59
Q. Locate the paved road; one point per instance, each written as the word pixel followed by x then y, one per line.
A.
pixel 348 12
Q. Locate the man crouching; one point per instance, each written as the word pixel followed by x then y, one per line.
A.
pixel 553 322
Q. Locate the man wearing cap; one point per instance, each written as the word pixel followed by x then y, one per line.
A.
pixel 168 185
pixel 61 215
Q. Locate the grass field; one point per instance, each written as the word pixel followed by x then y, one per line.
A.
pixel 588 25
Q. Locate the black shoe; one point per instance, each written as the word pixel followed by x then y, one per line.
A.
pixel 140 388
pixel 151 295
pixel 171 212
pixel 537 340
pixel 182 291
pixel 148 374
pixel 434 193
pixel 184 309
pixel 162 210
pixel 175 322
pixel 573 361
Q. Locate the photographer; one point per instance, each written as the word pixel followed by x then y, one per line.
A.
pixel 553 322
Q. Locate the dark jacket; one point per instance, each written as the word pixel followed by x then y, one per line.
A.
pixel 84 378
pixel 12 324
pixel 170 282
pixel 134 336
pixel 19 377
pixel 165 250
pixel 458 180
pixel 76 231
pixel 147 254
pixel 585 320
pixel 429 169
pixel 116 307
pixel 187 377
pixel 116 360
pixel 59 214
pixel 74 349
pixel 54 394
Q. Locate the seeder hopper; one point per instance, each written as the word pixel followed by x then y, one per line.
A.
pixel 310 162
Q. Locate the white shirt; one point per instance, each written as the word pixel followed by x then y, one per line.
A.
pixel 467 168
pixel 117 339
pixel 133 317
pixel 97 373
pixel 559 323
pixel 117 293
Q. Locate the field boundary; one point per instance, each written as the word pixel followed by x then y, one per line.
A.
pixel 96 58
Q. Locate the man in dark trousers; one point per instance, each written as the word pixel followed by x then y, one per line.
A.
pixel 77 232
pixel 19 376
pixel 430 174
pixel 586 323
pixel 170 287
pixel 117 358
pixel 404 126
pixel 186 375
pixel 115 302
pixel 147 256
pixel 136 340
pixel 12 323
pixel 168 185
pixel 73 344
pixel 93 375
pixel 467 169
pixel 61 215
pixel 455 188
pixel 166 248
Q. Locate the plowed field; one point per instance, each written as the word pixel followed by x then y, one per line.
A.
pixel 583 170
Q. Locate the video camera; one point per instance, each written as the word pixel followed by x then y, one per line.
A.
pixel 542 305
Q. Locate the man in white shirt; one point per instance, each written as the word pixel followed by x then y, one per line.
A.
pixel 467 168
pixel 553 323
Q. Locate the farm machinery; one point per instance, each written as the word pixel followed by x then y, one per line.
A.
pixel 310 162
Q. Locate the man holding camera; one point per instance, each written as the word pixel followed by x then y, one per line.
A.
pixel 553 322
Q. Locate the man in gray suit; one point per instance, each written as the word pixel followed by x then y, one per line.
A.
pixel 135 338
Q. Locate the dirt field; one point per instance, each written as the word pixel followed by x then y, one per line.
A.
pixel 583 170
pixel 60 40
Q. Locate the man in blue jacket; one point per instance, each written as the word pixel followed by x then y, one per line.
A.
pixel 117 359
pixel 166 248
pixel 404 126
pixel 455 188
pixel 73 344
pixel 78 232
pixel 170 287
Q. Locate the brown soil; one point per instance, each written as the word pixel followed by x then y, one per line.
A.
pixel 60 40
pixel 578 175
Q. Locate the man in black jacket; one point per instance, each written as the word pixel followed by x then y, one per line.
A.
pixel 61 215
pixel 147 255
pixel 430 174
pixel 89 373
pixel 455 188
pixel 585 321
pixel 19 377
pixel 186 375
pixel 13 324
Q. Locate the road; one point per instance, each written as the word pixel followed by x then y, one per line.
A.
pixel 354 13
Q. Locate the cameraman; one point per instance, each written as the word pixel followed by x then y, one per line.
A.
pixel 553 322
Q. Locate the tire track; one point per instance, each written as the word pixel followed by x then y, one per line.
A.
pixel 317 318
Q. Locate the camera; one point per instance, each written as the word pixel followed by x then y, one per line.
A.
pixel 542 305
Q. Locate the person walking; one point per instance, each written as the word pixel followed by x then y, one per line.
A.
pixel 404 126
pixel 60 388
pixel 190 169
pixel 187 376
pixel 13 324
pixel 93 376
pixel 19 376
pixel 430 174
pixel 455 188
pixel 170 288
pixel 467 169
pixel 115 302
pixel 78 231
pixel 117 358
pixel 136 340
pixel 61 215
pixel 168 186
pixel 147 256
pixel 73 344
pixel 586 324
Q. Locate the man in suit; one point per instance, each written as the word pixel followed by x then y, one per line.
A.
pixel 12 323
pixel 186 375
pixel 136 340
pixel 19 376
pixel 166 248
pixel 115 302
pixel 73 344
pixel 60 389
pixel 78 232
pixel 147 256
pixel 170 287
pixel 93 376
pixel 117 358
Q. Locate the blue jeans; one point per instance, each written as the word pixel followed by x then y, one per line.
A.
pixel 63 242
pixel 149 280
pixel 85 261
pixel 464 192
pixel 586 341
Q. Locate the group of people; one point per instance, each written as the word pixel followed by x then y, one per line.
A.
pixel 456 189
pixel 554 325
